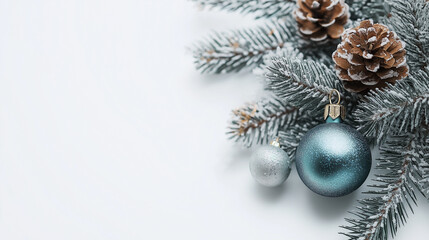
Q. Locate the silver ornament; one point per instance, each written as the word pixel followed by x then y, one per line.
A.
pixel 270 165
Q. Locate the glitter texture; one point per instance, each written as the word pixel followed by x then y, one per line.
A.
pixel 270 166
pixel 333 159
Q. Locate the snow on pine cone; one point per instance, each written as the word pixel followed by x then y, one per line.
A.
pixel 321 20
pixel 369 57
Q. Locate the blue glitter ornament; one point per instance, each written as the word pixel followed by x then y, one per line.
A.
pixel 333 159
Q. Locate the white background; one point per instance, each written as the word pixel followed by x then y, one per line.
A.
pixel 108 132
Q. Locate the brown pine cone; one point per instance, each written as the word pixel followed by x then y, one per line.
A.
pixel 321 20
pixel 370 56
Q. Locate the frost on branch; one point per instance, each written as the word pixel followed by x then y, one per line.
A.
pixel 403 107
pixel 359 9
pixel 258 8
pixel 261 122
pixel 290 137
pixel 392 195
pixel 410 20
pixel 305 84
pixel 366 9
pixel 238 49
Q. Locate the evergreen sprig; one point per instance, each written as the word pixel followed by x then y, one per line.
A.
pixel 305 84
pixel 366 9
pixel 290 137
pixel 261 122
pixel 402 164
pixel 421 173
pixel 403 107
pixel 238 49
pixel 259 8
pixel 288 51
pixel 359 9
pixel 410 20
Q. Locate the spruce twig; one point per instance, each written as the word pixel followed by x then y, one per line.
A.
pixel 366 9
pixel 393 194
pixel 410 21
pixel 261 122
pixel 291 136
pixel 403 107
pixel 305 84
pixel 235 50
pixel 259 8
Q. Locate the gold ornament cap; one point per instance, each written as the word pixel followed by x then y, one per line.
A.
pixel 334 110
pixel 275 142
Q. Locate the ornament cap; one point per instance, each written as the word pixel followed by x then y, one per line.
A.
pixel 275 142
pixel 334 110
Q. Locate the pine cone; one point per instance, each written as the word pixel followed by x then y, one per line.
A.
pixel 320 20
pixel 370 56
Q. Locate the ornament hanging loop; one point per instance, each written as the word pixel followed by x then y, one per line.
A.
pixel 338 94
pixel 334 112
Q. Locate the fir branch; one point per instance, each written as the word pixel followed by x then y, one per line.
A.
pixel 305 84
pixel 260 8
pixel 235 50
pixel 319 53
pixel 302 50
pixel 260 123
pixel 420 175
pixel 366 9
pixel 403 107
pixel 288 51
pixel 410 21
pixel 392 195
pixel 359 9
pixel 290 137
